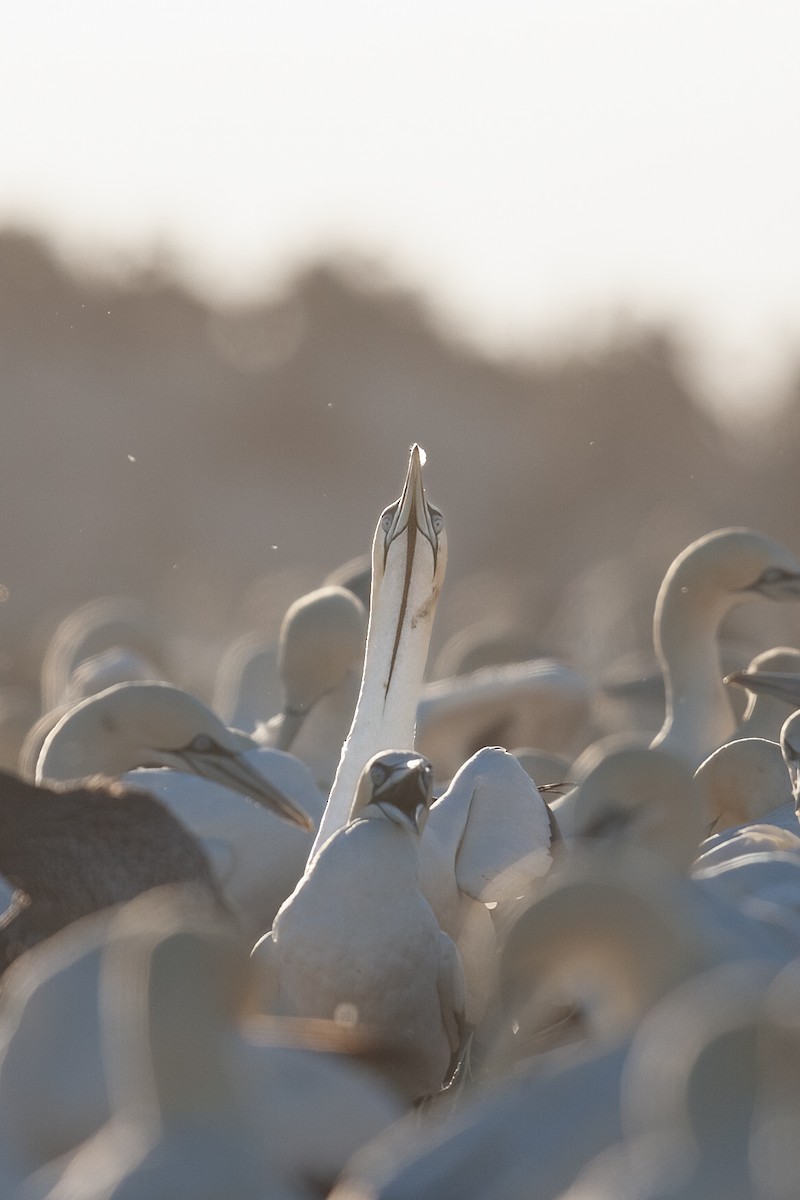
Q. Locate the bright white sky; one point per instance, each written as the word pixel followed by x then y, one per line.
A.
pixel 530 164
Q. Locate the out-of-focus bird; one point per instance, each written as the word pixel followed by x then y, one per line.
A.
pixel 72 851
pixel 709 578
pixel 320 660
pixel 643 796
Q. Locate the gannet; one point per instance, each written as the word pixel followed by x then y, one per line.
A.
pixel 782 687
pixel 639 795
pixel 765 713
pixel 357 940
pixel 691 1088
pixel 72 851
pixel 134 725
pixel 708 579
pixel 540 703
pixel 742 782
pixel 312 1098
pixel 246 684
pixel 522 1136
pixel 257 855
pixel 614 929
pixel 612 937
pixel 409 554
pixel 181 1123
pixel 355 575
pixel 320 661
pixel 94 627
pixel 547 770
pixel 487 841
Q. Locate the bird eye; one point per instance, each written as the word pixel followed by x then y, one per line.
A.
pixel 437 520
pixel 386 519
pixel 202 744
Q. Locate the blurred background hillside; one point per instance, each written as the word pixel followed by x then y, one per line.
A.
pixel 216 462
pixel 249 253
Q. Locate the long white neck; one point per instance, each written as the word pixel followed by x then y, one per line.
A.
pixel 699 715
pixel 398 637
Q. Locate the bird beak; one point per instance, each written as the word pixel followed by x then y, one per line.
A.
pixel 412 512
pixel 786 586
pixel 781 684
pixel 234 770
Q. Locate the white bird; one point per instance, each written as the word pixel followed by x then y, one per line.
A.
pixel 610 938
pixel 693 1081
pixel 181 1124
pixel 246 684
pixel 409 554
pixel 744 781
pixel 639 795
pixel 314 1100
pixel 257 855
pixel 105 623
pixel 765 713
pixel 156 725
pixel 491 822
pixel 357 939
pixel 704 583
pixel 539 703
pixel 782 687
pixel 488 840
pixel 320 661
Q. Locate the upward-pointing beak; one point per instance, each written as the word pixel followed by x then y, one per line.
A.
pixel 235 771
pixel 412 512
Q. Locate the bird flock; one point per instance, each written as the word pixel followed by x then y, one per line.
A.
pixel 356 948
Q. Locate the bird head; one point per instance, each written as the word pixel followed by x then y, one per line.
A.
pixel 399 785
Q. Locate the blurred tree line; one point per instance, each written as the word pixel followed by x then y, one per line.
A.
pixel 218 462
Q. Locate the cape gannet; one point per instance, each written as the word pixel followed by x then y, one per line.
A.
pixel 612 930
pixel 156 725
pixel 488 840
pixel 72 851
pixel 612 944
pixel 693 1082
pixel 709 578
pixel 246 684
pixel 539 703
pixel 742 782
pixel 409 554
pixel 765 713
pixel 99 625
pixel 315 1101
pixel 181 1124
pixel 357 940
pixel 639 795
pixel 320 660
pixel 257 855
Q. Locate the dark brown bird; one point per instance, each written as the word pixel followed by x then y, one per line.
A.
pixel 70 851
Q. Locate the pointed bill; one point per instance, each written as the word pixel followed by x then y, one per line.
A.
pixel 236 771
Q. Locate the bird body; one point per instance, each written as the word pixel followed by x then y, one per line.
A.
pixel 539 703
pixel 73 851
pixel 320 661
pixel 230 793
pixel 704 583
pixel 357 940
pixel 256 855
